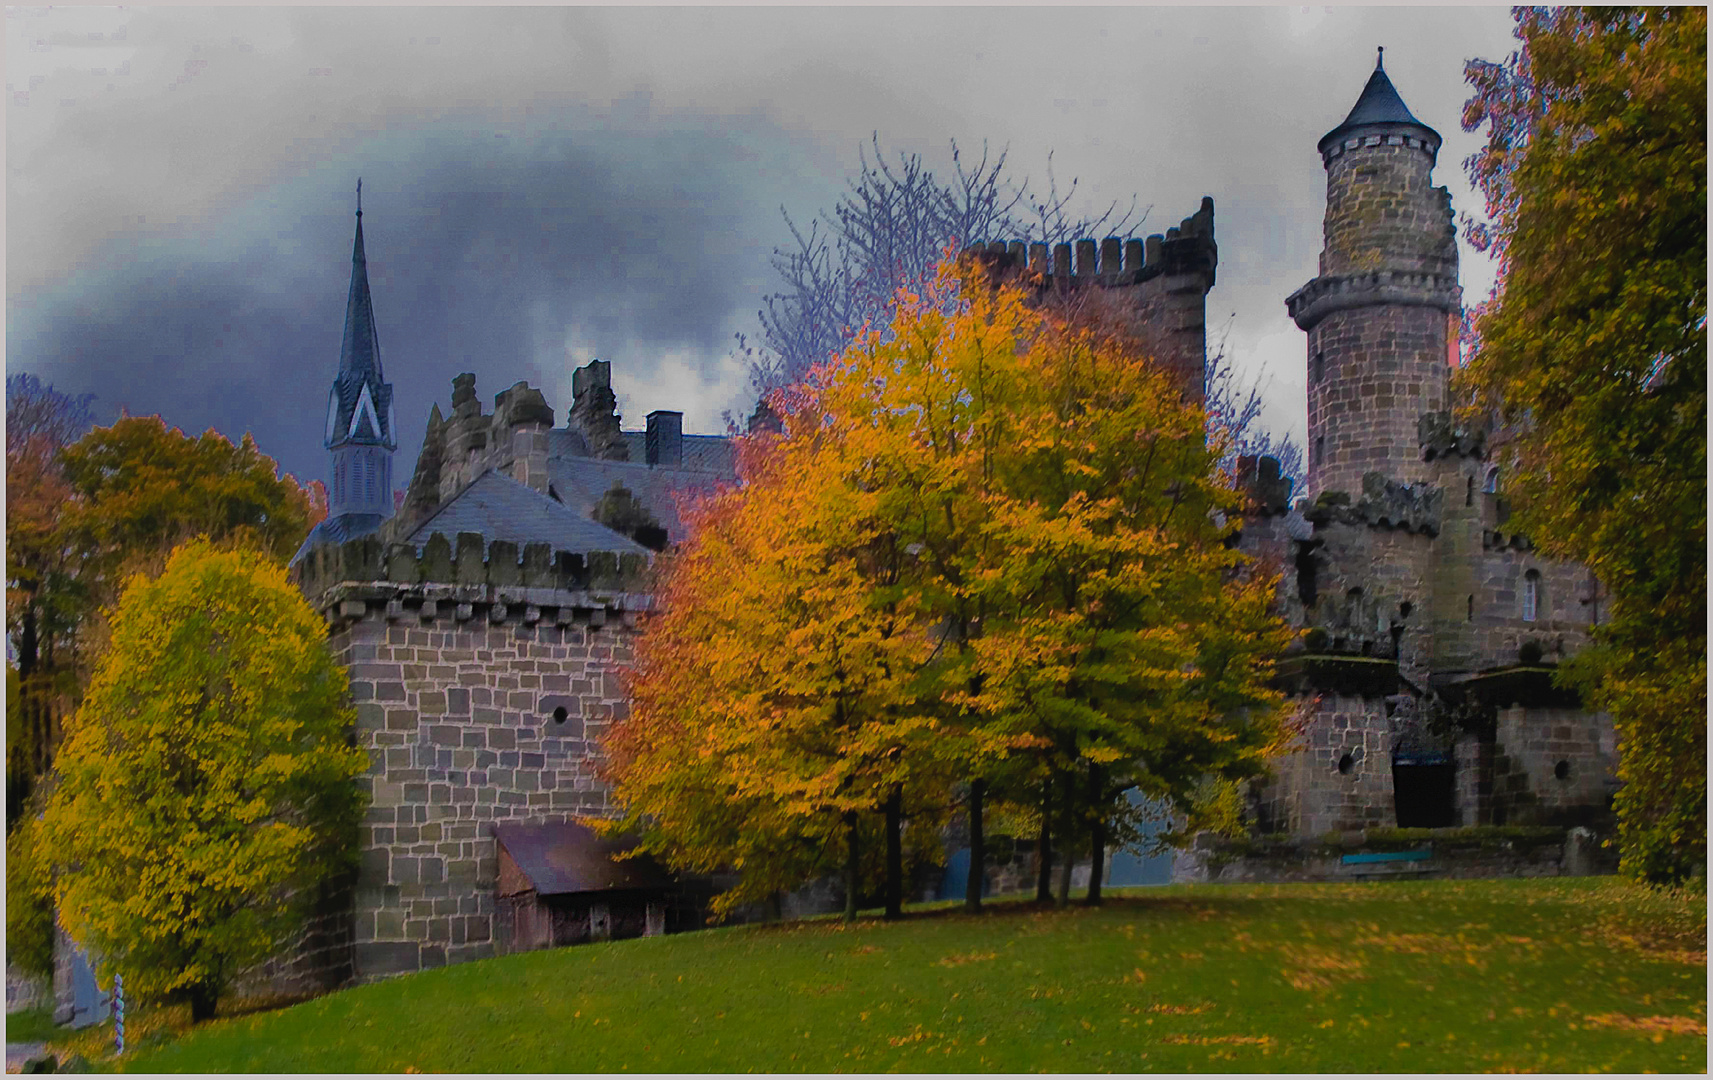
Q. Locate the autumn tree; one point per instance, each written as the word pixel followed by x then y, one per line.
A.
pixel 43 599
pixel 988 548
pixel 207 783
pixel 1070 527
pixel 771 698
pixel 1593 353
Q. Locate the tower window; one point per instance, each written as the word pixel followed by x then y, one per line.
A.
pixel 1492 485
pixel 1320 451
pixel 1471 615
pixel 1531 595
pixel 1319 366
pixel 1469 493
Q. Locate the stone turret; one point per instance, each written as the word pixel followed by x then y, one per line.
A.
pixel 1378 317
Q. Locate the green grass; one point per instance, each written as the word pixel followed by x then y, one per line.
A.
pixel 1557 975
pixel 32 1025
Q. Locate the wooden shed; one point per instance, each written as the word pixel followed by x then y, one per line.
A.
pixel 562 884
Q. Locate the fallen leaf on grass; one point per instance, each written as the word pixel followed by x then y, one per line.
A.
pixel 1657 1025
pixel 960 959
pixel 1214 1040
pixel 1420 944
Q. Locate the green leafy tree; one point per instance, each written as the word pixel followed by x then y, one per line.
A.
pixel 207 783
pixel 29 901
pixel 1593 352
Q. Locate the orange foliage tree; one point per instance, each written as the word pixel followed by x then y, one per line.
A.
pixel 989 548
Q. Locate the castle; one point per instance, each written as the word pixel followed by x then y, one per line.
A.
pixel 485 623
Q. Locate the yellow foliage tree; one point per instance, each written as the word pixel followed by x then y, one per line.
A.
pixel 989 546
pixel 206 786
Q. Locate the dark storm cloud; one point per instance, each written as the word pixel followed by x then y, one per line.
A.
pixel 619 233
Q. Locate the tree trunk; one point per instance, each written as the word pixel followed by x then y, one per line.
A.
pixel 853 866
pixel 1044 873
pixel 895 853
pixel 203 999
pixel 978 849
pixel 1065 832
pixel 1097 840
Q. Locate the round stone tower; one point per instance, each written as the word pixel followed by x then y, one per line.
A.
pixel 1378 316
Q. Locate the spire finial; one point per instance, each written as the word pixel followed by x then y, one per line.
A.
pixel 359 196
pixel 1379 65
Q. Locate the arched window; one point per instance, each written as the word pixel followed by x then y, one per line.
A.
pixel 1469 493
pixel 1531 595
pixel 1319 367
pixel 1472 608
pixel 1320 451
pixel 1492 485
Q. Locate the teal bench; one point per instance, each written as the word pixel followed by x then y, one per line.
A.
pixel 1382 864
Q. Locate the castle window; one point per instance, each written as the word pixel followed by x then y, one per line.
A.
pixel 1472 609
pixel 1492 486
pixel 1319 366
pixel 1320 451
pixel 1469 493
pixel 1531 595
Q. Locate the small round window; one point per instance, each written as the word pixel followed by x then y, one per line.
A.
pixel 1345 764
pixel 1562 770
pixel 560 715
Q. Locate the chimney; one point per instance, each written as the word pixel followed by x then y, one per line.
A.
pixel 665 440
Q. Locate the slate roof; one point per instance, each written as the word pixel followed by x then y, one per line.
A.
pixel 702 453
pixel 500 508
pixel 568 858
pixel 360 363
pixel 1379 104
pixel 337 530
pixel 581 481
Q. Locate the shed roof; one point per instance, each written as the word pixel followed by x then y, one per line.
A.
pixel 565 858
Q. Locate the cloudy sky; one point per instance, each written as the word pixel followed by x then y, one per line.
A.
pixel 546 185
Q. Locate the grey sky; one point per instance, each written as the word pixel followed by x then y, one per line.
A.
pixel 546 185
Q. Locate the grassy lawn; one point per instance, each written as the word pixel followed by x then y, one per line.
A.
pixel 32 1025
pixel 1556 975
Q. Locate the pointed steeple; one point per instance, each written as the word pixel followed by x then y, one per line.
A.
pixel 359 409
pixel 1380 111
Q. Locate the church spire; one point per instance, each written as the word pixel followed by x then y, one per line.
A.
pixel 359 410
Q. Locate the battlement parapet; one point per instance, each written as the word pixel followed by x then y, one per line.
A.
pixel 1407 135
pixel 1186 249
pixel 475 572
pixel 1439 435
pixel 1341 292
pixel 1385 504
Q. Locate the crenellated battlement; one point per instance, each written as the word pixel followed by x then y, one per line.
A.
pixel 496 579
pixel 1439 436
pixel 1189 247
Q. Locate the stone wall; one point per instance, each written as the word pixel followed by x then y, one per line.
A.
pixel 1315 789
pixel 1553 764
pixel 482 678
pixel 1454 853
pixel 470 721
pixel 1373 372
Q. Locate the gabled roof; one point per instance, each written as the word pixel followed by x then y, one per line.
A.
pixel 569 858
pixel 581 481
pixel 1378 106
pixel 500 508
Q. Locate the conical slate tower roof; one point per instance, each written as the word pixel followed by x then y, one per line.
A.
pixel 354 416
pixel 1380 111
